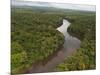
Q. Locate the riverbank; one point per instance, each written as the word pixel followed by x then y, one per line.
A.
pixel 58 56
pixel 41 66
pixel 85 57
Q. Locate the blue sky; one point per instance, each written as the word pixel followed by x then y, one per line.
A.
pixel 56 5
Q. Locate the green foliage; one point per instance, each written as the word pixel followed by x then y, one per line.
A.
pixel 83 27
pixel 34 38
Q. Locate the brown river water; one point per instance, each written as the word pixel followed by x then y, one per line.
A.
pixel 70 45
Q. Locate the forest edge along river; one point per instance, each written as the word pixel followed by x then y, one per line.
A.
pixel 71 44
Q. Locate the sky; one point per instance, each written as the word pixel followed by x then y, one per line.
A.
pixel 52 4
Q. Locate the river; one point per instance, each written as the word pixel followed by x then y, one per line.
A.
pixel 70 45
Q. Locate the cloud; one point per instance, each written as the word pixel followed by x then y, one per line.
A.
pixel 74 6
pixel 56 5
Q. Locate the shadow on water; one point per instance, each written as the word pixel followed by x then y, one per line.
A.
pixel 70 45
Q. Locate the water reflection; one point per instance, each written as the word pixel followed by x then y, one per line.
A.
pixel 70 42
pixel 63 28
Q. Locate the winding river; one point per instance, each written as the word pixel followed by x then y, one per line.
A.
pixel 70 45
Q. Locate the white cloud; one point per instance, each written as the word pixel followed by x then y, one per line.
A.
pixel 74 6
pixel 57 5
